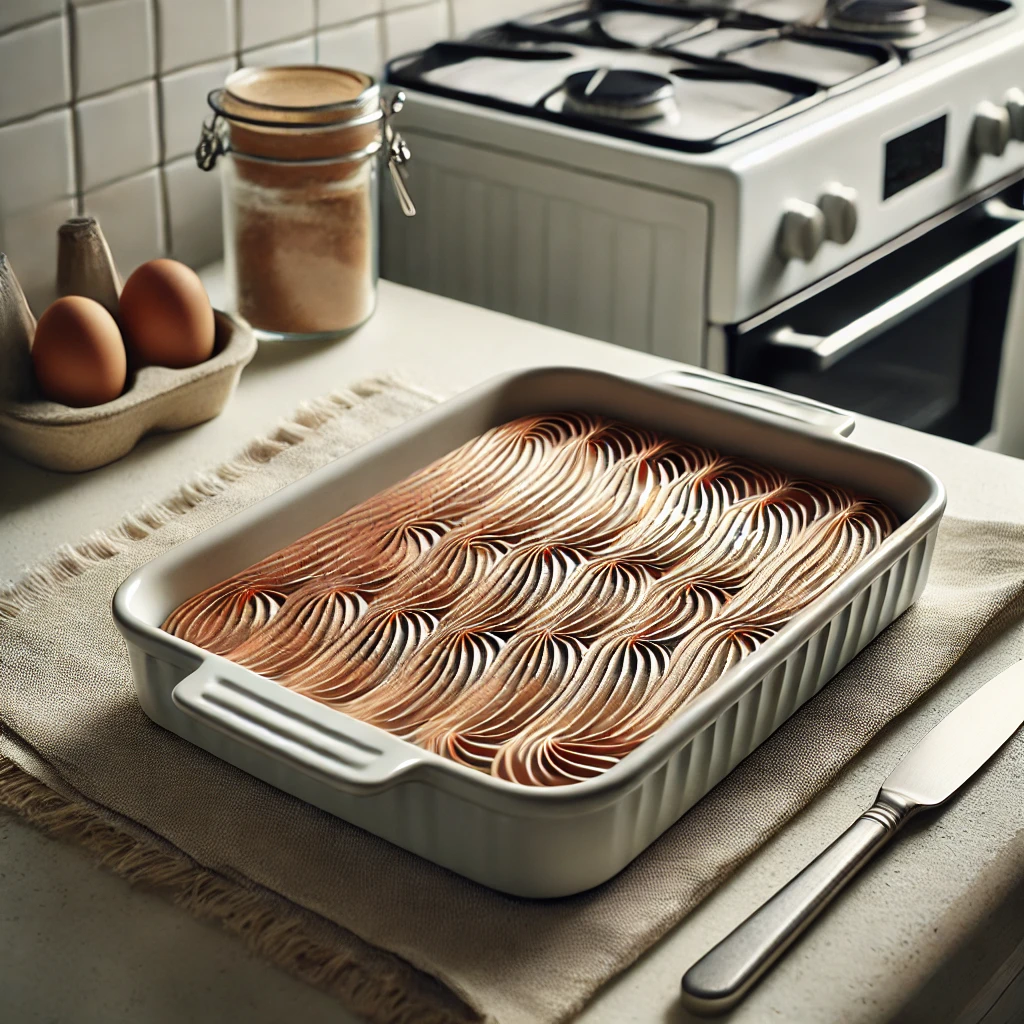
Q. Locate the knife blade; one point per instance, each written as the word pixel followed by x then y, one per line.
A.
pixel 927 777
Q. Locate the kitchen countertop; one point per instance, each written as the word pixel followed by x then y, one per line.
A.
pixel 933 931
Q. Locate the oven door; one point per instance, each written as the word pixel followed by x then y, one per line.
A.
pixel 915 337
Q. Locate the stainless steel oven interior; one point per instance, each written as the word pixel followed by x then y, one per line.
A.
pixel 914 334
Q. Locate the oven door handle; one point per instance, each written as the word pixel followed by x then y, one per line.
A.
pixel 829 349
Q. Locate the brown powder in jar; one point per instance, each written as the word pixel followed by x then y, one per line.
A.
pixel 303 235
pixel 305 257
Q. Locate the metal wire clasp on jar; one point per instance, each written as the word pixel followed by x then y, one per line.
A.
pixel 299 182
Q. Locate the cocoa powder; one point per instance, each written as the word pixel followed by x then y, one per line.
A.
pixel 305 265
pixel 301 198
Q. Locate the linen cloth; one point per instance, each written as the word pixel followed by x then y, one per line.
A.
pixel 70 718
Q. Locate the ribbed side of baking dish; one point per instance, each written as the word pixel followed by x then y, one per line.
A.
pixel 555 855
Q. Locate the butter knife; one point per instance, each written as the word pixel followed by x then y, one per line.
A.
pixel 927 777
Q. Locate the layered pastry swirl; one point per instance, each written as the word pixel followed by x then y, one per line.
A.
pixel 543 599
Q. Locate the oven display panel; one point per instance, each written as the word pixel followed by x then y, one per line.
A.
pixel 914 156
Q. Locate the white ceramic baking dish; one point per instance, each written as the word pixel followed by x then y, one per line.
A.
pixel 524 840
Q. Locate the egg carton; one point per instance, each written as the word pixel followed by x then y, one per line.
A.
pixel 156 399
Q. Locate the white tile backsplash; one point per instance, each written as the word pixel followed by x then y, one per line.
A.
pixel 29 237
pixel 118 140
pixel 19 12
pixel 334 12
pixel 297 51
pixel 469 15
pixel 131 213
pixel 113 45
pixel 355 46
pixel 37 161
pixel 194 212
pixel 414 27
pixel 117 134
pixel 193 31
pixel 184 107
pixel 35 70
pixel 267 21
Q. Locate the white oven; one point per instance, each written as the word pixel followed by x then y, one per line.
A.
pixel 924 332
pixel 858 246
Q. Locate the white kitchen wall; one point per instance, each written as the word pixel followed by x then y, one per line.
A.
pixel 101 103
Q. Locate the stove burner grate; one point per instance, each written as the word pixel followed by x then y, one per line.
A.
pixel 714 76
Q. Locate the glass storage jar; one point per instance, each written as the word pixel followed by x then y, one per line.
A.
pixel 299 183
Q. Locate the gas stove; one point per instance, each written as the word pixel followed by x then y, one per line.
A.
pixel 690 76
pixel 686 176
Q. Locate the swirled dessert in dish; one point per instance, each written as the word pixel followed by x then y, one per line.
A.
pixel 540 601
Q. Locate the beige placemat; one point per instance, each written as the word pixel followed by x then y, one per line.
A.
pixel 336 905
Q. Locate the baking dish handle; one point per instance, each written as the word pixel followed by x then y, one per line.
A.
pixel 292 729
pixel 822 417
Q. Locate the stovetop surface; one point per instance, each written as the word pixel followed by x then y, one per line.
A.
pixel 688 74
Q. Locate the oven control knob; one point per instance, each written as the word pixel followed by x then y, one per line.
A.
pixel 991 129
pixel 1015 108
pixel 838 204
pixel 802 231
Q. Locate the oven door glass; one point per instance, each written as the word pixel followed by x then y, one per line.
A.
pixel 915 337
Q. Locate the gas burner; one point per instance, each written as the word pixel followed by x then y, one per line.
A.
pixel 619 94
pixel 891 19
pixel 687 74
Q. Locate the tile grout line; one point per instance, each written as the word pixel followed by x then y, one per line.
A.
pixel 26 118
pixel 121 178
pixel 237 4
pixel 384 41
pixel 156 39
pixel 350 22
pixel 283 41
pixel 104 93
pixel 31 23
pixel 413 4
pixel 76 133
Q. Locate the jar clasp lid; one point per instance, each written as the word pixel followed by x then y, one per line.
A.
pixel 398 154
pixel 212 143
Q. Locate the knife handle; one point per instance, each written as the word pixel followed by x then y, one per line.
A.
pixel 723 976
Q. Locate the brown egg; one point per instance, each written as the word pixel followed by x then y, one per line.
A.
pixel 78 354
pixel 166 315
